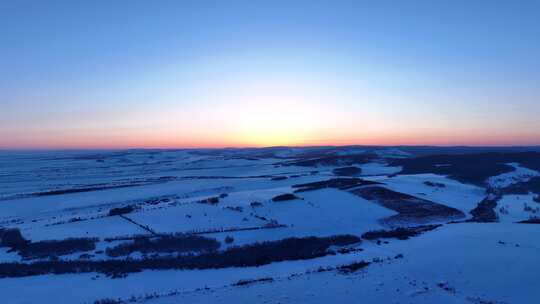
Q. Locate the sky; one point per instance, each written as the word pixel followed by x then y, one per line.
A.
pixel 164 74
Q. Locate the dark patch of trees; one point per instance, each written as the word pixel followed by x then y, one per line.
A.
pixel 530 221
pixel 401 233
pixel 229 239
pixel 484 212
pixel 434 184
pixel 278 178
pixel 34 250
pixel 532 185
pixel 284 197
pixel 410 208
pixel 338 183
pixel 169 244
pixel 55 248
pixel 210 201
pixel 353 267
pixel 334 160
pixel 347 171
pixel 79 190
pixel 121 210
pixel 468 168
pixel 252 281
pixel 257 254
pixel 75 219
pixel 156 201
pixel 12 238
pixel 108 301
pixel 235 208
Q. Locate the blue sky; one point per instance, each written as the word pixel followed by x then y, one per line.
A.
pixel 256 73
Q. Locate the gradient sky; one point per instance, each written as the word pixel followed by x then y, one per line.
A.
pixel 116 74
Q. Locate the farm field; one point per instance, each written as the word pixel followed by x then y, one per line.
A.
pixel 210 226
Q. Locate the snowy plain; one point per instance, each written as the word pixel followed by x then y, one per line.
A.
pixel 69 194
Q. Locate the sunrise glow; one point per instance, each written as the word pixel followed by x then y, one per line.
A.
pixel 241 74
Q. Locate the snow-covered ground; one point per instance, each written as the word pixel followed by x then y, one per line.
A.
pixel 468 263
pixel 69 194
pixel 514 208
pixel 441 190
pixel 520 174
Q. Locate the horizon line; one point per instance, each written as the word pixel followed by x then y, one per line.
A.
pixel 3 149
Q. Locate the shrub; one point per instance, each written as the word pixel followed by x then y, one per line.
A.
pixel 255 204
pixel 75 219
pixel 12 238
pixel 121 210
pixel 85 256
pixel 434 184
pixel 229 239
pixel 108 301
pixel 284 197
pixel 235 208
pixel 537 199
pixel 252 281
pixel 353 267
pixel 210 201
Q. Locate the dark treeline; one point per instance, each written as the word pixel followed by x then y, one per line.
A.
pixel 121 210
pixel 179 244
pixel 347 171
pixel 43 249
pixel 401 233
pixel 468 168
pixel 284 197
pixel 13 239
pixel 257 254
pixel 484 212
pixel 338 183
pixel 411 209
pixel 333 160
pixel 525 187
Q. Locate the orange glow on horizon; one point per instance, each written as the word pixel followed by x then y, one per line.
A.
pixel 250 140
